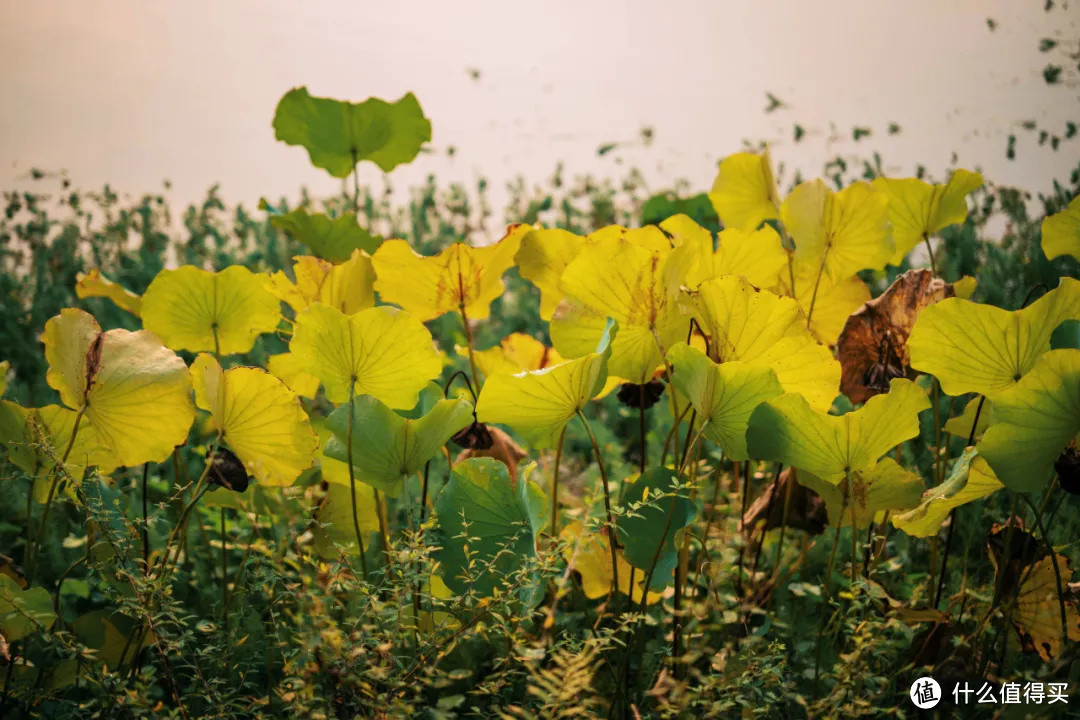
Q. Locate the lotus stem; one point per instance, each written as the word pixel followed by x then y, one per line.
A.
pixel 952 515
pixel 642 433
pixel 817 285
pixel 612 535
pixel 930 251
pixel 1053 560
pixel 555 486
pixel 356 182
pixel 469 343
pixel 145 521
pixel 380 511
pixel 56 473
pixel 224 563
pixel 828 592
pixel 352 482
pixel 742 514
pixel 768 514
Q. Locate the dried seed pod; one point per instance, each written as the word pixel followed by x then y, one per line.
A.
pixel 640 396
pixel 476 436
pixel 227 471
pixel 1067 467
pixel 502 447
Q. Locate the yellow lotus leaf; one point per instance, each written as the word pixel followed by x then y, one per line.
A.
pixel 866 495
pixel 617 278
pixel 94 284
pixel 649 237
pixel 965 287
pixel 258 417
pixel 971 479
pixel 545 253
pixel 744 193
pixel 970 347
pixel 1037 614
pixel 192 309
pixel 459 277
pixel 381 351
pixel 135 392
pixel 790 431
pixel 589 554
pixel 514 353
pixel 762 328
pixel 724 395
pixel 538 404
pixel 960 426
pixel 293 373
pixel 1061 232
pixel 757 255
pixel 37 439
pixel 832 306
pixel 635 353
pixel 918 210
pixel 349 286
pixel 334 531
pixel 543 256
pixel 1034 421
pixel 842 232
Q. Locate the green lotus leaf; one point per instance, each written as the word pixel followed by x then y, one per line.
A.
pixel 971 479
pixel 644 530
pixel 873 491
pixel 635 354
pixel 971 347
pixel 1034 421
pixel 332 239
pixel 487 527
pixel 334 531
pixel 36 439
pixel 23 611
pixel 724 394
pixel 788 430
pixel 339 134
pixel 112 635
pixel 386 447
pixel 538 404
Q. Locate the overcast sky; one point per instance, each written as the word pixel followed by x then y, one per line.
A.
pixel 132 92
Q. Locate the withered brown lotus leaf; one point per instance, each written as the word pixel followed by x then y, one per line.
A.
pixel 872 348
pixel 1028 582
pixel 502 448
pixel 806 509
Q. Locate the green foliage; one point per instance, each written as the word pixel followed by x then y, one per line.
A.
pixel 487 527
pixel 330 239
pixel 339 134
pixel 148 595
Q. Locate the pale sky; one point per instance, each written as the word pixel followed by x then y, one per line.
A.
pixel 131 92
